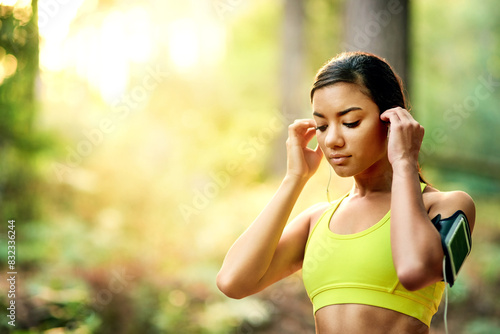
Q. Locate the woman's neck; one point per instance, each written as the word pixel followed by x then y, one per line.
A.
pixel 375 180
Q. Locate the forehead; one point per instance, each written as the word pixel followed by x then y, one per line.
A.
pixel 341 96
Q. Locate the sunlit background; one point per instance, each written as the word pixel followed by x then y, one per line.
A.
pixel 140 138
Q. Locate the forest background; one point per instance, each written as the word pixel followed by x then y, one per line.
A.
pixel 138 139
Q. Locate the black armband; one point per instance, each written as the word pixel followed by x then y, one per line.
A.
pixel 457 242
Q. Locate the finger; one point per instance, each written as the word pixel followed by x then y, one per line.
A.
pixel 300 130
pixel 390 115
pixel 304 122
pixel 403 114
pixel 301 127
pixel 310 133
pixel 385 116
pixel 302 139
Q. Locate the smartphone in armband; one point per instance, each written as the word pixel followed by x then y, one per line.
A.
pixel 457 242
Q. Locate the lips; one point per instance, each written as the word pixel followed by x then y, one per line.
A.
pixel 338 158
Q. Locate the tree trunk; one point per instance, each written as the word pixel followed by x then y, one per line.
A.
pixel 379 27
pixel 292 77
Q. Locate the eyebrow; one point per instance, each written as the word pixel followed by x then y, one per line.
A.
pixel 340 113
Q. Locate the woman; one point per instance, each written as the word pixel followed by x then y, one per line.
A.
pixel 372 261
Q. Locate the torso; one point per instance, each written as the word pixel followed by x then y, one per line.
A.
pixel 361 319
pixel 352 217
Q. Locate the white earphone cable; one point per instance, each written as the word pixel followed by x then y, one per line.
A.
pixel 328 185
pixel 445 297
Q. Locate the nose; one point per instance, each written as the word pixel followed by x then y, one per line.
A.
pixel 334 137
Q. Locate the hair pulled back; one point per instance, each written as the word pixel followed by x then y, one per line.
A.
pixel 372 74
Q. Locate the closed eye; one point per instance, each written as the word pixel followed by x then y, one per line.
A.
pixel 321 128
pixel 352 125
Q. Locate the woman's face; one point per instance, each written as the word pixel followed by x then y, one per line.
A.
pixel 349 130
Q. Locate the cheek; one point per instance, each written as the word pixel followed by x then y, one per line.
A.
pixel 320 137
pixel 382 134
pixel 378 140
pixel 377 135
pixel 372 138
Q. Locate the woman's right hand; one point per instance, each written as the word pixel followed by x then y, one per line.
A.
pixel 302 161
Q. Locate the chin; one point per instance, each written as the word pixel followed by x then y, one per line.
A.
pixel 343 171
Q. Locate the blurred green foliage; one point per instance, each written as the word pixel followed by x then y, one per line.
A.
pixel 129 236
pixel 19 144
pixel 455 90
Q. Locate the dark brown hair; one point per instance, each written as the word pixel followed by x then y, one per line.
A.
pixel 372 74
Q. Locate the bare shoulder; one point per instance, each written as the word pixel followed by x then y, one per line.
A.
pixel 308 217
pixel 315 212
pixel 447 203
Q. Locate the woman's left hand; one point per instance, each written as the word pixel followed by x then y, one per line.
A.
pixel 405 136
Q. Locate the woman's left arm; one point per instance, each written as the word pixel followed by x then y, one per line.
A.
pixel 416 244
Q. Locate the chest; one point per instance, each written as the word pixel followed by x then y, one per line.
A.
pixel 354 216
pixel 354 257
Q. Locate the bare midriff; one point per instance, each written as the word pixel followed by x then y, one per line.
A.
pixel 362 319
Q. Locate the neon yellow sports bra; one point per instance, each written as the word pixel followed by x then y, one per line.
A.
pixel 358 269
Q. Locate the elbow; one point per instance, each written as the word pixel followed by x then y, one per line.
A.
pixel 229 287
pixel 410 281
pixel 417 277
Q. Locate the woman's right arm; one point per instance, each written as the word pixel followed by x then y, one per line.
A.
pixel 267 251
